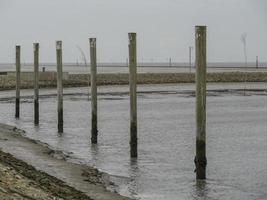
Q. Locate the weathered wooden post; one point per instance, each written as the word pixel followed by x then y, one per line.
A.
pixel 59 86
pixel 133 105
pixel 201 67
pixel 17 109
pixel 93 90
pixel 36 83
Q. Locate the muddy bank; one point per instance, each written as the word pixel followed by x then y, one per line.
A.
pixel 75 80
pixel 20 180
pixel 51 177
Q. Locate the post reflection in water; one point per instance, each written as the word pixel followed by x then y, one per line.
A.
pixel 94 152
pixel 200 190
pixel 135 174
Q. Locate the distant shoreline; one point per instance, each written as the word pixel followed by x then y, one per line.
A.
pixel 262 64
pixel 78 80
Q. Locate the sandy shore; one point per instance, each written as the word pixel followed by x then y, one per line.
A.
pixel 52 176
pixel 76 80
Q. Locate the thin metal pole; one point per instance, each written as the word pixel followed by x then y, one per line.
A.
pixel 17 109
pixel 190 57
pixel 59 86
pixel 201 70
pixel 93 58
pixel 133 104
pixel 36 83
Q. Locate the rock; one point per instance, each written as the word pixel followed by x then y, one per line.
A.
pixel 17 177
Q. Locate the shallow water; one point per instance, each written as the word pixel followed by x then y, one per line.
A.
pixel 143 68
pixel 236 140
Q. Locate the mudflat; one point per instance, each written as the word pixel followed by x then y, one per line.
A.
pixel 18 180
pixel 76 80
pixel 44 173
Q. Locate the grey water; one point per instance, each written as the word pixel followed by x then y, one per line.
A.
pixel 236 138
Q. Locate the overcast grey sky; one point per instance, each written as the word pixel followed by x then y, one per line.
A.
pixel 165 28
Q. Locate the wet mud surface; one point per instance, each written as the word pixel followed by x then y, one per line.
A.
pixel 52 175
pixel 22 181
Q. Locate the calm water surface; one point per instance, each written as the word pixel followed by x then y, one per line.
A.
pixel 236 141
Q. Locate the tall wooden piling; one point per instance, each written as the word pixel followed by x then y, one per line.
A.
pixel 36 82
pixel 17 109
pixel 201 68
pixel 93 58
pixel 133 104
pixel 59 86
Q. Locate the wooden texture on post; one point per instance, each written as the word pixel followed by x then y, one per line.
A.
pixel 59 86
pixel 201 68
pixel 36 82
pixel 133 104
pixel 93 58
pixel 17 106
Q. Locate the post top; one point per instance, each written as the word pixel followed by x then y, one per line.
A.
pixel 201 26
pixel 200 30
pixel 58 44
pixel 35 45
pixel 132 37
pixel 92 42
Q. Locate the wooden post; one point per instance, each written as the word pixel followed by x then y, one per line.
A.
pixel 59 86
pixel 94 130
pixel 133 105
pixel 201 68
pixel 17 82
pixel 257 62
pixel 36 83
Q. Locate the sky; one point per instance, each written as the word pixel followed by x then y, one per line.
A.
pixel 165 28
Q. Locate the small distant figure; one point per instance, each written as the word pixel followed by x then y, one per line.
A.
pixel 43 69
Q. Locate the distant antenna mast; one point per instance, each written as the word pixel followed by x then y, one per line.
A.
pixel 244 41
pixel 190 58
pixel 85 63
